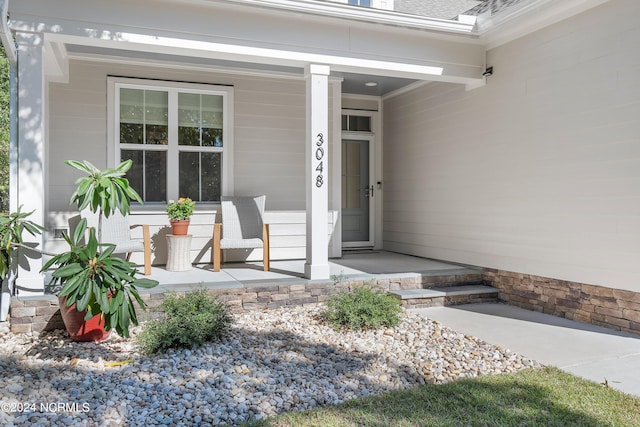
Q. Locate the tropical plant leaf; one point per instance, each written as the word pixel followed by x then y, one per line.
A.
pixel 78 232
pixel 145 283
pixel 84 300
pixel 124 313
pixel 68 270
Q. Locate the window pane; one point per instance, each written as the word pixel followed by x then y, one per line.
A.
pixel 135 174
pixel 190 175
pixel 148 174
pixel 155 167
pixel 211 137
pixel 157 134
pixel 344 122
pixel 189 119
pixel 200 176
pixel 131 105
pixel 360 123
pixel 211 176
pixel 156 117
pixel 131 133
pixel 212 120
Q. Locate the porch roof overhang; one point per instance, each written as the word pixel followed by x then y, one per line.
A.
pixel 242 32
pixel 282 35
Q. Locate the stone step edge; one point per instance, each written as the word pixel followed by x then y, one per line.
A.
pixel 404 294
pixel 425 273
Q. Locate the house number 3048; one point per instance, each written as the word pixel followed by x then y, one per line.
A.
pixel 319 157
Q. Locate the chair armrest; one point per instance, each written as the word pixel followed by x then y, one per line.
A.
pixel 266 250
pixel 216 253
pixel 146 238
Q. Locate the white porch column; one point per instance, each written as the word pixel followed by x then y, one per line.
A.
pixel 31 154
pixel 317 265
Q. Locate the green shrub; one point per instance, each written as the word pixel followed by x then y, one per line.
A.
pixel 189 320
pixel 365 307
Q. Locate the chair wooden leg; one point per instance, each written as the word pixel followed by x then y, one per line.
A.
pixel 147 249
pixel 265 247
pixel 216 252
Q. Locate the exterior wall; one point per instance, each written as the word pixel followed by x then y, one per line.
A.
pixel 269 150
pixel 538 172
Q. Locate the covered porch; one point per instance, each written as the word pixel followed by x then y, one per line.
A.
pixel 354 266
pixel 124 89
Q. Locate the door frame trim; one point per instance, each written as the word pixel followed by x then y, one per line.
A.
pixel 371 139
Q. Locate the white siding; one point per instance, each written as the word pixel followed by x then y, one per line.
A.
pixel 539 171
pixel 269 148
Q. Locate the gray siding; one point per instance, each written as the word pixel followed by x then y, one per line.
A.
pixel 539 171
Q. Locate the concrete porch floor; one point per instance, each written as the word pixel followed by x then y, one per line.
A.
pixel 352 266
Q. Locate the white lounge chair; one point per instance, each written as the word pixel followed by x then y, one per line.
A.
pixel 242 227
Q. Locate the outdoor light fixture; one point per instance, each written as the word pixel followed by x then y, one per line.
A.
pixel 488 72
pixel 371 84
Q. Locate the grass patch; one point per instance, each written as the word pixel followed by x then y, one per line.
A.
pixel 536 397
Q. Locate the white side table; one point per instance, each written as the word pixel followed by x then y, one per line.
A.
pixel 178 252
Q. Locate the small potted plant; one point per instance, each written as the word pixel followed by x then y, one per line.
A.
pixel 179 213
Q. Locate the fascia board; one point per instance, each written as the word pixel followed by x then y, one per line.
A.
pixel 169 45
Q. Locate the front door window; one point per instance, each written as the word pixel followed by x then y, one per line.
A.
pixel 356 190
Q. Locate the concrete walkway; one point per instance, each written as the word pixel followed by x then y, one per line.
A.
pixel 588 351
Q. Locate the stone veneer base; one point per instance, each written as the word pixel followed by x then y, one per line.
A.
pixel 41 313
pixel 598 305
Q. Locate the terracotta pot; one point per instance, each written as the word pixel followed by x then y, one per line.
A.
pixel 180 227
pixel 78 328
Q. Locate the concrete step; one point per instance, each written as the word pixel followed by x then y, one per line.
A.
pixel 446 296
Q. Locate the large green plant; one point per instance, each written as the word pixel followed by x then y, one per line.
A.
pixel 12 227
pixel 95 280
pixel 89 274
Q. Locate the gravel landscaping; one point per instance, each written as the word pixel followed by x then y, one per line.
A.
pixel 271 362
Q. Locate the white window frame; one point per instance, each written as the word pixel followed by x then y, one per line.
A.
pixel 114 84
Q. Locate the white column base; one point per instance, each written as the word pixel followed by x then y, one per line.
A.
pixel 316 271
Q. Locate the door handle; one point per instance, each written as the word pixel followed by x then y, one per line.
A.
pixel 368 191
